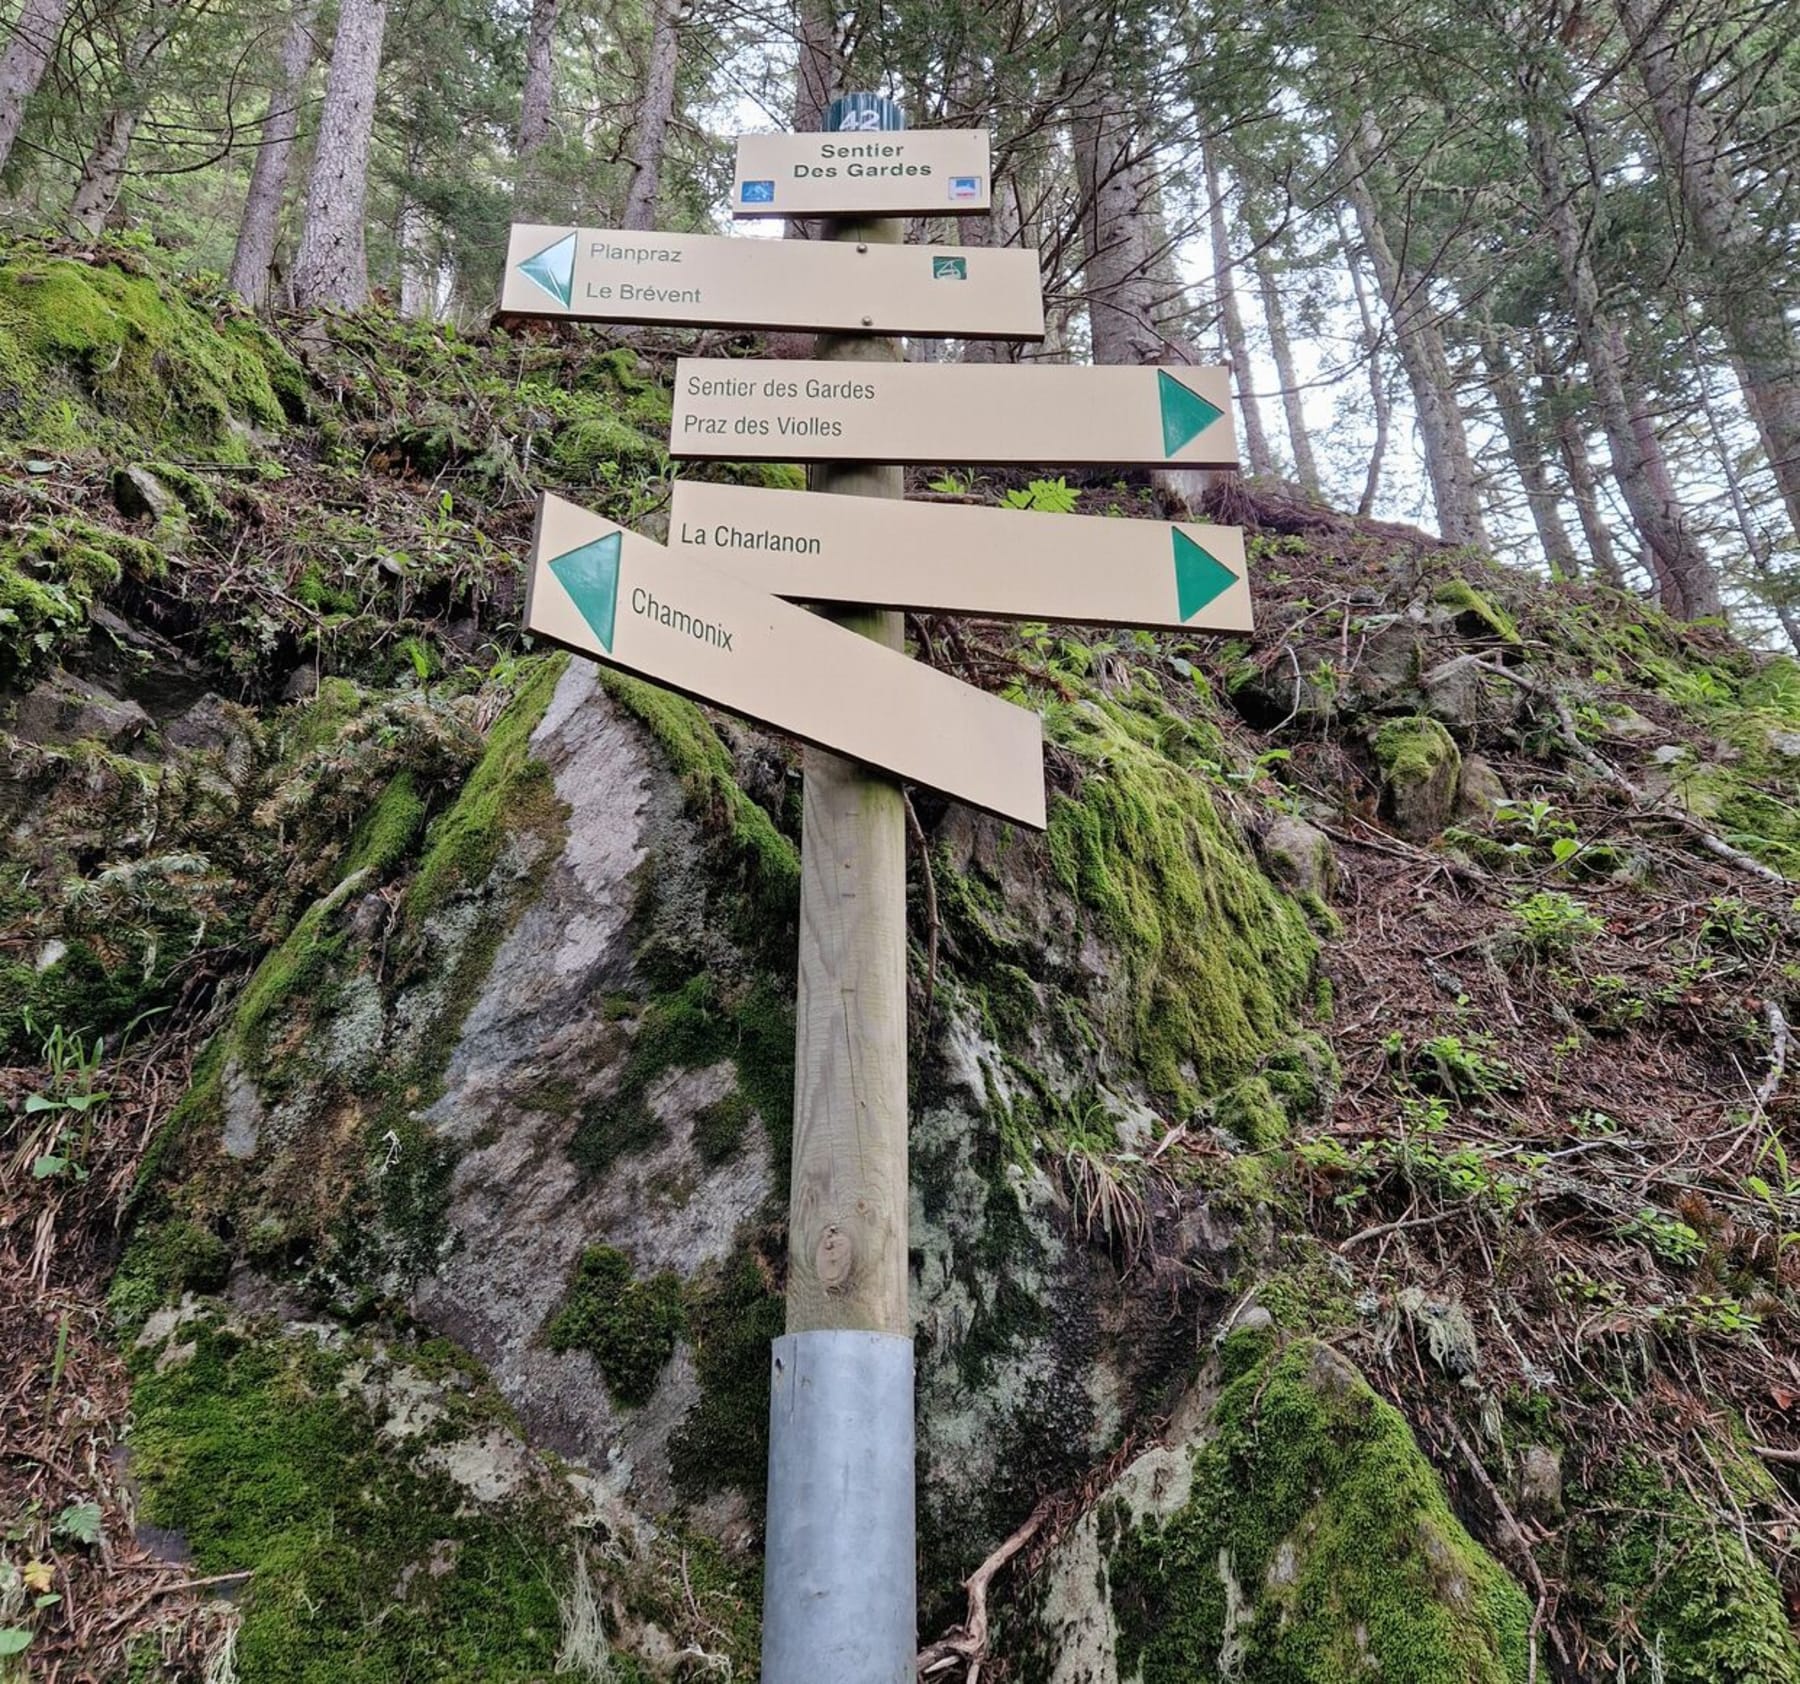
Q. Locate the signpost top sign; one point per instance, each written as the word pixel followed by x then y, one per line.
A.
pixel 920 172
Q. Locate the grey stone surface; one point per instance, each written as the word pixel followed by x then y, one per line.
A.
pixel 1299 855
pixel 64 709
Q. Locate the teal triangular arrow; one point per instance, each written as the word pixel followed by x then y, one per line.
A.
pixel 553 269
pixel 1185 414
pixel 1199 577
pixel 591 577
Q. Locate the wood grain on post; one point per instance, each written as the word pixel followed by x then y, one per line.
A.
pixel 847 1256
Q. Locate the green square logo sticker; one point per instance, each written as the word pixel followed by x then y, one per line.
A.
pixel 949 268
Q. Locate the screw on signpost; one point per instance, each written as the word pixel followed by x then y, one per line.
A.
pixel 839 1580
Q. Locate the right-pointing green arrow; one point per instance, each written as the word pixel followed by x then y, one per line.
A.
pixel 1199 577
pixel 1185 414
pixel 591 577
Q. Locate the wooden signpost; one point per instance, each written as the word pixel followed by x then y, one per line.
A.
pixel 707 616
pixel 948 558
pixel 703 280
pixel 984 413
pixel 929 172
pixel 608 593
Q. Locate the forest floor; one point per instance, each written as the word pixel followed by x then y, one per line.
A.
pixel 1563 1150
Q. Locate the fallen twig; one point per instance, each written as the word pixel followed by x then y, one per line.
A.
pixel 967 1643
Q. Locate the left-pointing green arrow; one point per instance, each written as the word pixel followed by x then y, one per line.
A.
pixel 1199 576
pixel 591 577
pixel 553 269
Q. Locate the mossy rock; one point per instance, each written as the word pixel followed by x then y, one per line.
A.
pixel 1476 614
pixel 1216 958
pixel 1304 1539
pixel 1663 1567
pixel 94 355
pixel 363 1559
pixel 1421 770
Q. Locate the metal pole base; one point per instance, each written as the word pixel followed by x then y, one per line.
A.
pixel 840 1586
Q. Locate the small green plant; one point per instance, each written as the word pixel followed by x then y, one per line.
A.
pixel 66 1105
pixel 1538 820
pixel 1554 924
pixel 1668 1236
pixel 949 485
pixel 1462 1071
pixel 1614 1004
pixel 1051 496
pixel 1742 929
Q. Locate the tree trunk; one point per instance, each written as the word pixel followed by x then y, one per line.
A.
pixel 1000 226
pixel 1527 453
pixel 28 53
pixel 1114 194
pixel 1572 447
pixel 102 176
pixel 535 104
pixel 820 67
pixel 1306 467
pixel 257 233
pixel 1257 454
pixel 1686 582
pixel 332 268
pixel 655 111
pixel 1378 396
pixel 1447 460
pixel 418 270
pixel 1745 300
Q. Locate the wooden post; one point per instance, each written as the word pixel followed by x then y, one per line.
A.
pixel 847 1263
pixel 839 1578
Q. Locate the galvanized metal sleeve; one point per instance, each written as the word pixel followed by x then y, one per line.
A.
pixel 840 1578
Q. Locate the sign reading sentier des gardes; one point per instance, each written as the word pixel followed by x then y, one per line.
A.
pixel 924 172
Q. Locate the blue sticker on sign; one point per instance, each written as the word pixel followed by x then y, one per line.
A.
pixel 949 268
pixel 965 187
pixel 758 193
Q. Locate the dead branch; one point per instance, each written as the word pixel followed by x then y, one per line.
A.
pixel 967 1644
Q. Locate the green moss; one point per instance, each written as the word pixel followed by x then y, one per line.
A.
pixel 1216 958
pixel 1414 750
pixel 766 862
pixel 388 830
pixel 94 356
pixel 628 1326
pixel 724 1440
pixel 1682 1580
pixel 196 495
pixel 51 572
pixel 602 450
pixel 719 1127
pixel 1475 613
pixel 1251 1111
pixel 362 1567
pixel 508 791
pixel 164 1260
pixel 696 1025
pixel 1342 1556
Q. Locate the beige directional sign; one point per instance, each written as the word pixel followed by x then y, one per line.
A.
pixel 923 172
pixel 950 558
pixel 827 286
pixel 657 612
pixel 952 412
